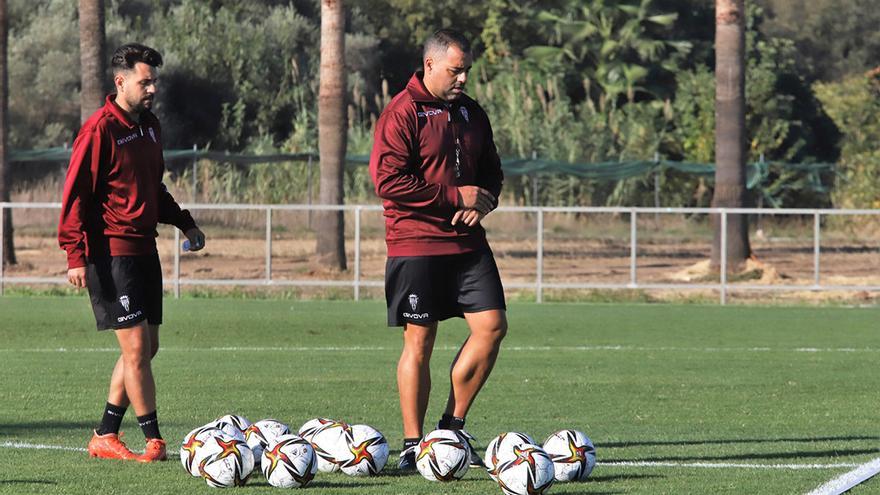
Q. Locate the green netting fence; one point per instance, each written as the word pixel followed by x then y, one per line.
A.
pixel 816 177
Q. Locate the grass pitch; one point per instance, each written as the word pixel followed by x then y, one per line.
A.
pixel 678 399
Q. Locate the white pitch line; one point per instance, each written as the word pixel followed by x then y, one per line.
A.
pixel 848 480
pixel 454 348
pixel 724 465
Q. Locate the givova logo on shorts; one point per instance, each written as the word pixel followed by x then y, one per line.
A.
pixel 414 304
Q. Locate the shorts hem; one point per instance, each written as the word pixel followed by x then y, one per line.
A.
pixel 120 326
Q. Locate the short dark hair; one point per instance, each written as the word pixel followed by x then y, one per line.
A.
pixel 126 56
pixel 442 39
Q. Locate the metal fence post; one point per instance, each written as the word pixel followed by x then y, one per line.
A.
pixel 535 201
pixel 656 186
pixel 2 244
pixel 633 247
pixel 268 245
pixel 357 253
pixel 816 249
pixel 176 249
pixel 723 257
pixel 539 277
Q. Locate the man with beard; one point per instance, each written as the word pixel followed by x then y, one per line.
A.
pixel 113 200
pixel 435 166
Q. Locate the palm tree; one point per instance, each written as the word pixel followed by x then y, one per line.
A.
pixel 91 56
pixel 730 130
pixel 5 180
pixel 332 134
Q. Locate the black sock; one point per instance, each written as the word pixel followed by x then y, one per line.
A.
pixel 111 420
pixel 150 425
pixel 410 442
pixel 450 422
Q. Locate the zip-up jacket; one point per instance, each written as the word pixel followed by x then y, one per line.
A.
pixel 423 150
pixel 113 193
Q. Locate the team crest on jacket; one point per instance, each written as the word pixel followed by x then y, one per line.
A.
pixel 464 113
pixel 413 301
pixel 153 135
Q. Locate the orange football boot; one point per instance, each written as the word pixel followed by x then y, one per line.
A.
pixel 109 446
pixel 155 451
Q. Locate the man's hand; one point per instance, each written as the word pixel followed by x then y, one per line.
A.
pixel 476 198
pixel 196 238
pixel 468 217
pixel 77 277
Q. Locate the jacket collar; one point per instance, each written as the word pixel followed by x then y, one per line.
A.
pixel 120 115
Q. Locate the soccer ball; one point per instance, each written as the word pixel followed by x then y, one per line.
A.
pixel 312 426
pixel 227 428
pixel 225 462
pixel 264 433
pixel 526 470
pixel 442 456
pixel 573 455
pixel 289 462
pixel 331 445
pixel 191 451
pixel 367 452
pixel 235 420
pixel 500 444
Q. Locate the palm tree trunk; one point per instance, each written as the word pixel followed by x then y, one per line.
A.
pixel 730 130
pixel 91 56
pixel 332 134
pixel 5 175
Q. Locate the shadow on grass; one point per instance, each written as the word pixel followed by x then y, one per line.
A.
pixel 27 482
pixel 659 443
pixel 319 484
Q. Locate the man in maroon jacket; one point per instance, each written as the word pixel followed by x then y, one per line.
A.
pixel 113 200
pixel 435 166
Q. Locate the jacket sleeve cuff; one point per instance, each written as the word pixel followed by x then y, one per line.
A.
pixel 76 259
pixel 451 195
pixel 185 222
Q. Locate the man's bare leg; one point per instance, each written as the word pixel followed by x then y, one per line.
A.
pixel 414 376
pixel 475 359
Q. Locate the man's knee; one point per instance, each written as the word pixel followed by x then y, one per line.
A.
pixel 492 326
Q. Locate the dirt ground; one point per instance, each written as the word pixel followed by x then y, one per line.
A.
pixel 567 259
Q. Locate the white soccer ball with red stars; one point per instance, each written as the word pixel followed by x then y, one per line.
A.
pixel 442 456
pixel 241 423
pixel 314 425
pixel 367 452
pixel 225 462
pixel 331 445
pixel 289 462
pixel 504 442
pixel 191 450
pixel 525 470
pixel 228 428
pixel 262 434
pixel 573 455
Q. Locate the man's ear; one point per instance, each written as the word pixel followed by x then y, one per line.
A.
pixel 118 79
pixel 429 64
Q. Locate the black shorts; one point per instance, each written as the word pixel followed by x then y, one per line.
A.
pixel 125 290
pixel 427 289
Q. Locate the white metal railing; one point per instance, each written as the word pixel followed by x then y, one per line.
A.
pixel 723 287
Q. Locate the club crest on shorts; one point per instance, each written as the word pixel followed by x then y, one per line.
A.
pixel 413 301
pixel 124 301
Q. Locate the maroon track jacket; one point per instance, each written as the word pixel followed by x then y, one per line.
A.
pixel 113 194
pixel 422 150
